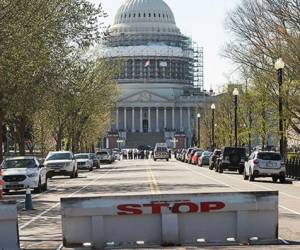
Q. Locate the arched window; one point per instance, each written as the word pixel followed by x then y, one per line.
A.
pixel 159 15
pixel 134 15
pixel 149 14
pixel 139 14
pixel 129 15
pixel 144 14
pixel 154 15
pixel 125 16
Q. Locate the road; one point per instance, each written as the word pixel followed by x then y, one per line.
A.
pixel 40 228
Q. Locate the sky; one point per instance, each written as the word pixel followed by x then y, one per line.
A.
pixel 204 21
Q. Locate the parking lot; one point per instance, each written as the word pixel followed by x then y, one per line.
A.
pixel 41 228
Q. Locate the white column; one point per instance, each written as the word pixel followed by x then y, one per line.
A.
pixel 149 119
pixel 117 119
pixel 181 121
pixel 133 121
pixel 141 120
pixel 157 121
pixel 189 119
pixel 165 117
pixel 173 118
pixel 125 119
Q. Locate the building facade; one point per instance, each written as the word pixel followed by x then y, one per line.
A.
pixel 162 81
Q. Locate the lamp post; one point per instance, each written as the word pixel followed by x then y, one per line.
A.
pixel 198 119
pixel 213 107
pixel 279 66
pixel 235 94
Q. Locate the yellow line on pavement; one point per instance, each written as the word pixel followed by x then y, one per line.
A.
pixel 154 188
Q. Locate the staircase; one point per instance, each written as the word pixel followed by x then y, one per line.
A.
pixel 136 139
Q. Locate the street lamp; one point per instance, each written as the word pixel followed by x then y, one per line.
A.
pixel 235 94
pixel 279 66
pixel 213 107
pixel 199 116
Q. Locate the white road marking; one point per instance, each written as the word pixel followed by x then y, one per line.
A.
pixel 58 203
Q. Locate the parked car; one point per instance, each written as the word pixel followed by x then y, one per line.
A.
pixel 24 172
pixel 195 157
pixel 105 156
pixel 191 154
pixel 265 164
pixel 232 159
pixel 187 153
pixel 84 161
pixel 213 158
pixel 96 161
pixel 204 158
pixel 161 152
pixel 117 155
pixel 182 155
pixel 61 163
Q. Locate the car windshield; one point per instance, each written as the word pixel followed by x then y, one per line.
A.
pixel 82 156
pixel 60 156
pixel 206 153
pixel 162 149
pixel 240 151
pixel 102 153
pixel 20 163
pixel 269 156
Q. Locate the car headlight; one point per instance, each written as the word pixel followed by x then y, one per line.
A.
pixel 67 164
pixel 32 175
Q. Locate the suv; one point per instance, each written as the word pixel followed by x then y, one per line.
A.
pixel 24 172
pixel 232 159
pixel 161 152
pixel 61 163
pixel 105 156
pixel 265 164
pixel 84 161
pixel 96 161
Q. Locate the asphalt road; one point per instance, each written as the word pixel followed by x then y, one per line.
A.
pixel 41 228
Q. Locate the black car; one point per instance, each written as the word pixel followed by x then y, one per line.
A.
pixel 232 159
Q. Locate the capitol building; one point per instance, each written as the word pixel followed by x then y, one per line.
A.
pixel 162 80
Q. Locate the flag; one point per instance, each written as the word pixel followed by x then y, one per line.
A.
pixel 147 64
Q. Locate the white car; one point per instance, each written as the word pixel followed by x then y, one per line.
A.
pixel 61 163
pixel 265 164
pixel 84 161
pixel 24 172
pixel 105 156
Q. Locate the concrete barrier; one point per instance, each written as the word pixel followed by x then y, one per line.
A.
pixel 9 233
pixel 170 219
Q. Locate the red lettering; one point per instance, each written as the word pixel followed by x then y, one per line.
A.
pixel 210 206
pixel 129 209
pixel 156 207
pixel 192 208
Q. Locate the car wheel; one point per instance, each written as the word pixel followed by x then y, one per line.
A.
pixel 39 188
pixel 91 169
pixel 246 177
pixel 241 171
pixel 76 174
pixel 274 179
pixel 73 174
pixel 282 179
pixel 45 186
pixel 167 159
pixel 210 167
pixel 154 159
pixel 251 176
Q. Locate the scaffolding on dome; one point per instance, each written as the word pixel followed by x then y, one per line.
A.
pixel 198 67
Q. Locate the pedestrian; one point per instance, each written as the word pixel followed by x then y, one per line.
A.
pixel 135 154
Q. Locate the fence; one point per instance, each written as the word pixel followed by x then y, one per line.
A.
pixel 293 169
pixel 170 219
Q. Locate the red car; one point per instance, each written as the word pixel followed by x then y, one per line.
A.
pixel 195 157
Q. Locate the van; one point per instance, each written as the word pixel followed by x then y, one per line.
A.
pixel 161 152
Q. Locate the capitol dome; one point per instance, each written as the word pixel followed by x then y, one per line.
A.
pixel 145 16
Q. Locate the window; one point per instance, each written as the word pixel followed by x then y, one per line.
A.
pixel 159 15
pixel 154 15
pixel 149 14
pixel 129 15
pixel 144 14
pixel 133 15
pixel 139 14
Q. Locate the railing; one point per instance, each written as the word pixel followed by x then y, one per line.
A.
pixel 293 168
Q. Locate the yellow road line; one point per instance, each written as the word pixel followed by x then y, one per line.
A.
pixel 154 188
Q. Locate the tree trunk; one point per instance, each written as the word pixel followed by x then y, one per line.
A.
pixel 59 138
pixel 21 138
pixel 1 134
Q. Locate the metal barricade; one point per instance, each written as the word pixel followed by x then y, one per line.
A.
pixel 9 233
pixel 170 219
